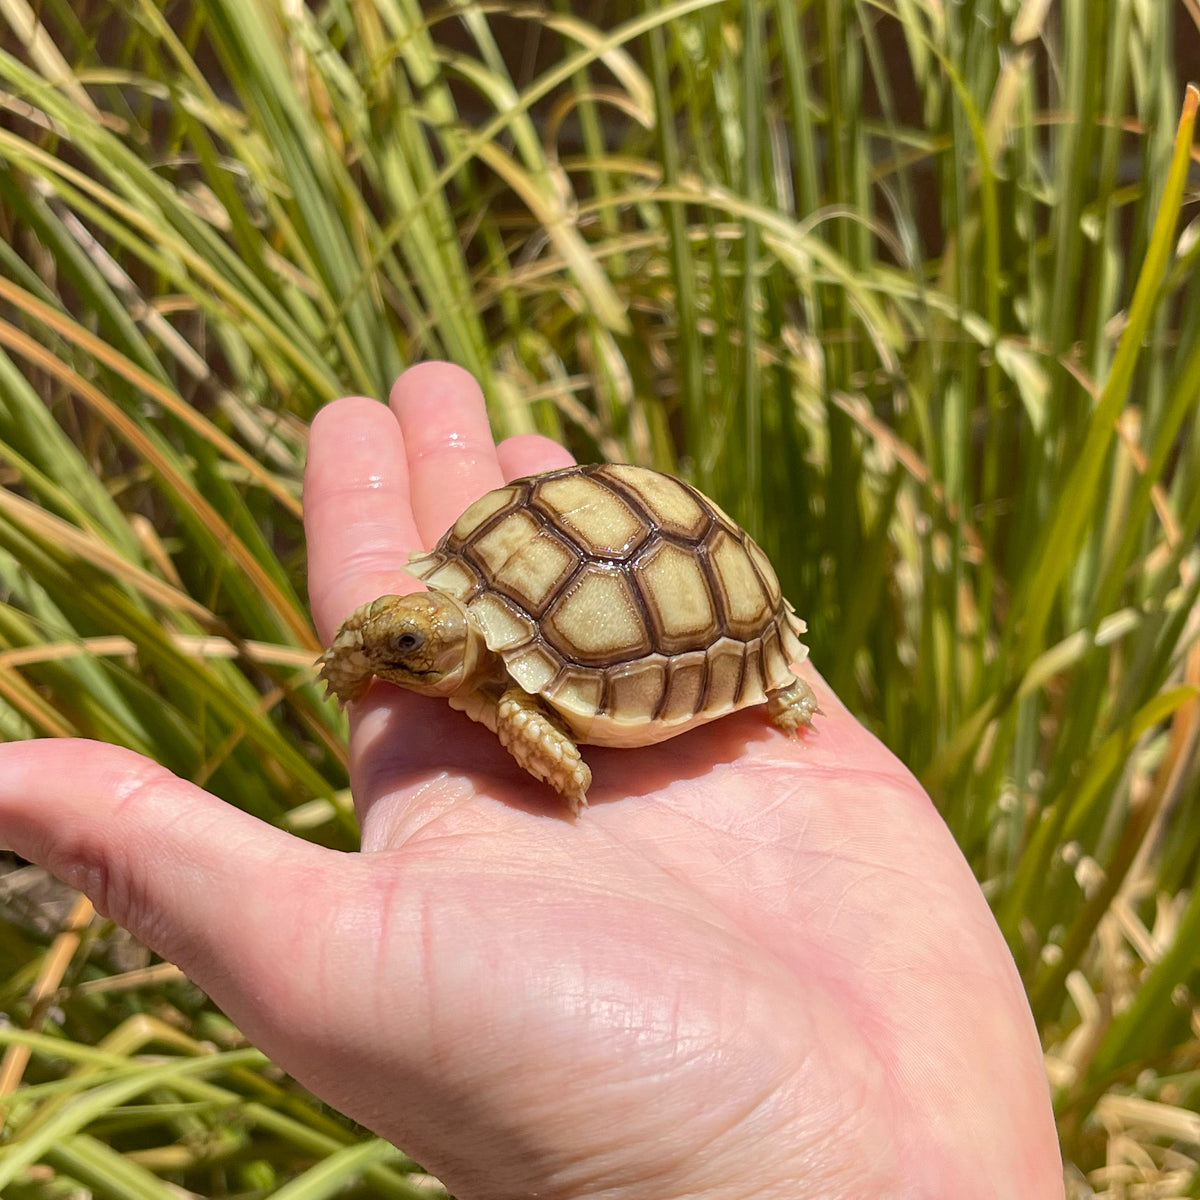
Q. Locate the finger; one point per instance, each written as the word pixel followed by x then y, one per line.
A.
pixel 197 880
pixel 357 515
pixel 530 454
pixel 451 454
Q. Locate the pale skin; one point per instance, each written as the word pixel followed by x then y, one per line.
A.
pixel 756 965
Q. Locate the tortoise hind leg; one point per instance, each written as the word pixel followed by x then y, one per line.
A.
pixel 542 746
pixel 792 706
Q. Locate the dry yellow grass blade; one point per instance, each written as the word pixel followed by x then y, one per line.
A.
pixel 102 352
pixel 559 224
pixel 140 440
pixel 44 54
pixel 54 966
pixel 190 645
pixel 89 548
pixel 33 706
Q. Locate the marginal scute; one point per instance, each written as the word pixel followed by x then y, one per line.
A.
pixel 685 685
pixel 751 690
pixel 724 676
pixel 598 520
pixel 533 667
pixel 746 607
pixel 577 689
pixel 776 671
pixel 723 518
pixel 481 512
pixel 675 508
pixel 596 620
pixel 676 592
pixel 766 572
pixel 424 563
pixel 635 690
pixel 451 576
pixel 793 648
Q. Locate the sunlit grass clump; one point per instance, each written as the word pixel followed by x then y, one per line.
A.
pixel 911 289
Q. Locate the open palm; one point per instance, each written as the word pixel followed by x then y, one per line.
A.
pixel 755 965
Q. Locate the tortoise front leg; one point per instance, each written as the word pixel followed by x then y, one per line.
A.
pixel 540 744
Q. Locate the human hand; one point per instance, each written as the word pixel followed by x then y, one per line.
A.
pixel 755 965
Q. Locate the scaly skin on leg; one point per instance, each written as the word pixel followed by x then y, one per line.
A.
pixel 792 707
pixel 542 746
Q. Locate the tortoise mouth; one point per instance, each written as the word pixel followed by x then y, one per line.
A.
pixel 429 680
pixel 403 669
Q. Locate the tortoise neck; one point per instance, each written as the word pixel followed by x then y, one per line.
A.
pixel 480 665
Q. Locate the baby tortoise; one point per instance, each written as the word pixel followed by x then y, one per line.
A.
pixel 602 604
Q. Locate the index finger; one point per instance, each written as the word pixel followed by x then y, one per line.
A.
pixel 358 518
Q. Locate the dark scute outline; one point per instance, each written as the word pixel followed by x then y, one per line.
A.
pixel 449 547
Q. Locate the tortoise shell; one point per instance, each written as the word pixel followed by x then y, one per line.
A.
pixel 623 597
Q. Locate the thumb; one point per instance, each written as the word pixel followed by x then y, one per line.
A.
pixel 202 883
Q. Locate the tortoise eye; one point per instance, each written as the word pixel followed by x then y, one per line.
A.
pixel 406 643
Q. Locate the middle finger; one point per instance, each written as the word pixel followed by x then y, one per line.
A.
pixel 451 455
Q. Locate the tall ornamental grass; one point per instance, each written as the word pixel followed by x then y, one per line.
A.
pixel 909 287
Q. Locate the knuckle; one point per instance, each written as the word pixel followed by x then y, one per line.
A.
pixel 101 857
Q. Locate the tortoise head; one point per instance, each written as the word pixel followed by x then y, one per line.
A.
pixel 424 642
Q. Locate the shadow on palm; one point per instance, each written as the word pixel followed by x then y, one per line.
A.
pixel 409 741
